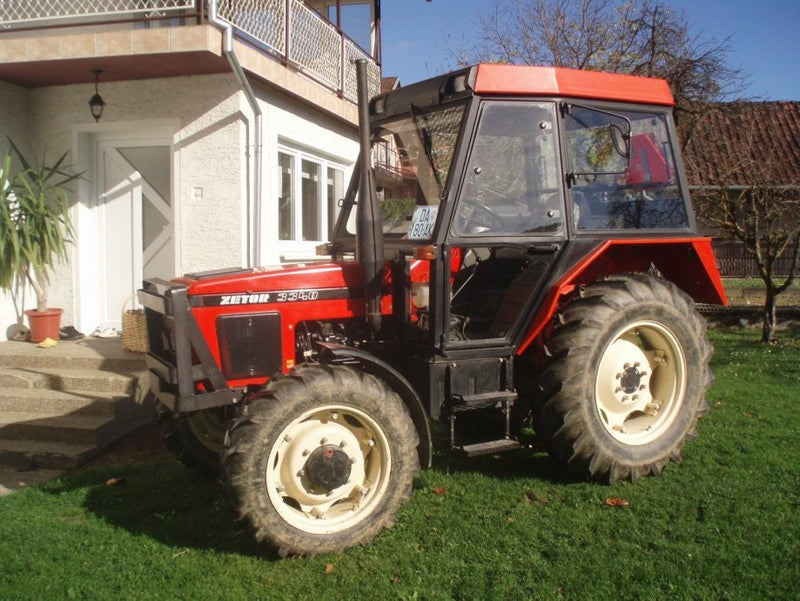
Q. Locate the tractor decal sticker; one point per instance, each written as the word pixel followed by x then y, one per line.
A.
pixel 276 296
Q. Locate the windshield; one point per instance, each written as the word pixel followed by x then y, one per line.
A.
pixel 411 157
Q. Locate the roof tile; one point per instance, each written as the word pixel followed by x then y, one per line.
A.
pixel 730 142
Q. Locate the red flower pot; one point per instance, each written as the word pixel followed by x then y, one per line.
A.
pixel 44 324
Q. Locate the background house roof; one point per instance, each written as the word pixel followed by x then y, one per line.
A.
pixel 728 142
pixel 388 84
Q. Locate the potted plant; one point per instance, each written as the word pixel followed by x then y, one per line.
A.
pixel 35 229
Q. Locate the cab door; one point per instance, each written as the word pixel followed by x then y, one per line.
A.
pixel 508 223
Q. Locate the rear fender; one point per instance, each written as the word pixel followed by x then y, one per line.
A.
pixel 688 263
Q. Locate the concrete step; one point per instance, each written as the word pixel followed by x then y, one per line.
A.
pixel 57 378
pixel 73 429
pixel 44 455
pixel 63 405
pixel 46 403
pixel 104 354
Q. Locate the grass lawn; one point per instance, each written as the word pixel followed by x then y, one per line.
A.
pixel 724 525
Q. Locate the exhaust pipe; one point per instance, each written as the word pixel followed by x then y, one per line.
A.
pixel 369 227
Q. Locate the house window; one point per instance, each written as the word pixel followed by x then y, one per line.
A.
pixel 310 189
pixel 285 200
pixel 335 193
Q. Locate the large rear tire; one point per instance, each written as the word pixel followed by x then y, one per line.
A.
pixel 321 461
pixel 627 381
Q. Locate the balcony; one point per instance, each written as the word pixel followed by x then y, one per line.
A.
pixel 136 39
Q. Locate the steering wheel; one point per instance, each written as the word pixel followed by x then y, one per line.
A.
pixel 474 217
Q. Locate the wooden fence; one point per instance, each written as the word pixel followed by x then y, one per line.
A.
pixel 735 262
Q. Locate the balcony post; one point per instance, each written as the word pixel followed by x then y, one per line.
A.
pixel 342 65
pixel 287 33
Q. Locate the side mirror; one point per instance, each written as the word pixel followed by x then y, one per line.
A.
pixel 621 138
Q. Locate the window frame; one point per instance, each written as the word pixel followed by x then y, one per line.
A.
pixel 327 208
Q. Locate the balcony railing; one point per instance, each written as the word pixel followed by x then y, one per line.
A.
pixel 390 162
pixel 15 14
pixel 297 34
pixel 287 29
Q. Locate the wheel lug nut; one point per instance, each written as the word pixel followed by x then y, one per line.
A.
pixel 287 438
pixel 306 452
pixel 343 444
pixel 323 441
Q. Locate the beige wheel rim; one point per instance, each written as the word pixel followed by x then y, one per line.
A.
pixel 334 433
pixel 640 383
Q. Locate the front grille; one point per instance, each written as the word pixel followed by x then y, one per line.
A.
pixel 249 345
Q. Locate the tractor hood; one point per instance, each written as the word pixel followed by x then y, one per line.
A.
pixel 283 283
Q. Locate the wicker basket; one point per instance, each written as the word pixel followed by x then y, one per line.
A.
pixel 134 330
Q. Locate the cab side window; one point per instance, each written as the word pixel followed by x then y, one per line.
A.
pixel 621 171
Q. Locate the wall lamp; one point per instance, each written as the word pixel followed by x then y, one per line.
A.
pixel 96 102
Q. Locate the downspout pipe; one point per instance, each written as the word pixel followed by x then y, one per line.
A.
pixel 254 255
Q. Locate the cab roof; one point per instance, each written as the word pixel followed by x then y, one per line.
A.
pixel 556 81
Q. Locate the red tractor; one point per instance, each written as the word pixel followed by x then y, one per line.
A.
pixel 523 250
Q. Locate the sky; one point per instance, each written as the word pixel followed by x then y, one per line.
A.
pixel 764 38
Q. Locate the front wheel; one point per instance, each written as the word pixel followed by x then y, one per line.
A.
pixel 195 438
pixel 628 379
pixel 322 461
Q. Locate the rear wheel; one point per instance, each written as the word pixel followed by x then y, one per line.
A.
pixel 628 378
pixel 322 461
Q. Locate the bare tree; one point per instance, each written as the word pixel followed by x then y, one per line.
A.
pixel 750 189
pixel 638 37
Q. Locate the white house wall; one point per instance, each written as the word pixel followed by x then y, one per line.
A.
pixel 14 118
pixel 290 123
pixel 14 124
pixel 208 163
pixel 213 134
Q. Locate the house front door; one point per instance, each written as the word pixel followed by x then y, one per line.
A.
pixel 133 226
